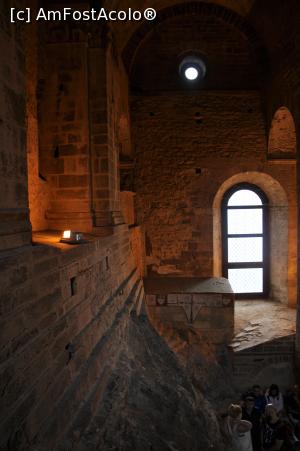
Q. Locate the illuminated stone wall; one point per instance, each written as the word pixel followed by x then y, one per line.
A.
pixel 14 215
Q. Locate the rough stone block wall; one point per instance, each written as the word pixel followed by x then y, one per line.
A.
pixel 63 314
pixel 270 362
pixel 99 135
pixel 64 136
pixel 83 101
pixel 108 104
pixel 127 206
pixel 283 91
pixel 187 145
pixel 14 221
pixel 282 38
pixel 38 187
pixel 117 91
pixel 137 245
pixel 137 236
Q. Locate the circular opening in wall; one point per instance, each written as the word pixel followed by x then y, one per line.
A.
pixel 192 68
pixel 191 73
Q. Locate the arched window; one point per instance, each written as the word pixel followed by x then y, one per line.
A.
pixel 245 240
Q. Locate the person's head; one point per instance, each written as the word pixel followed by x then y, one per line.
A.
pixel 256 390
pixel 249 400
pixel 270 413
pixel 273 390
pixel 235 411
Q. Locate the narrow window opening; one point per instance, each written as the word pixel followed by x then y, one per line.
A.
pixel 73 284
pixel 245 238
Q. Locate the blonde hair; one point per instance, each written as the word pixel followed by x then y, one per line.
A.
pixel 234 410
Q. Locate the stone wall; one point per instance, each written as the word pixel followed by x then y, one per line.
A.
pixel 64 136
pixel 64 311
pixel 269 362
pixel 14 217
pixel 284 91
pixel 127 206
pixel 187 145
pixel 66 334
pixel 84 126
pixel 80 365
pixel 197 29
pixel 38 186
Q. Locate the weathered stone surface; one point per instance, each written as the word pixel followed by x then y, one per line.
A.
pixel 35 331
pixel 149 402
pixel 13 167
pixel 205 306
pixel 178 217
pixel 260 350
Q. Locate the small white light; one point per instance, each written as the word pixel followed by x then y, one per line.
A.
pixel 191 73
pixel 71 237
pixel 67 234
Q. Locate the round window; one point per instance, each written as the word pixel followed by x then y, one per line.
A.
pixel 192 68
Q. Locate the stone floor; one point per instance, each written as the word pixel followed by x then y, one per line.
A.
pixel 260 321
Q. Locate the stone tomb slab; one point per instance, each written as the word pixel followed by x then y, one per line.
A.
pixel 207 305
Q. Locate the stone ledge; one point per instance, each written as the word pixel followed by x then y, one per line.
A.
pixel 168 285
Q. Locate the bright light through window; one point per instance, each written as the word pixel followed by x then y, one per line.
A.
pixel 245 250
pixel 246 280
pixel 243 221
pixel 244 197
pixel 191 73
pixel 243 239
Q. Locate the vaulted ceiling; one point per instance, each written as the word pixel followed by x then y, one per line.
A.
pixel 273 22
pixel 123 32
pixel 241 7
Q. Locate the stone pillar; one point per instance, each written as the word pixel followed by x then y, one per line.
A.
pixel 79 142
pixel 64 131
pixel 15 229
pixel 38 188
pixel 103 137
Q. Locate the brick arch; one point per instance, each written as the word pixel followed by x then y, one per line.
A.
pixel 283 273
pixel 228 16
pixel 282 136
